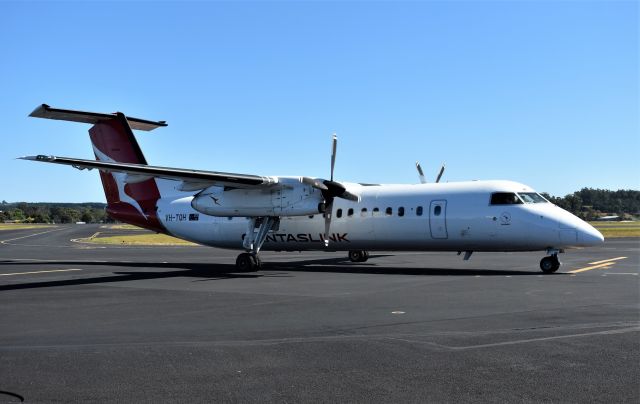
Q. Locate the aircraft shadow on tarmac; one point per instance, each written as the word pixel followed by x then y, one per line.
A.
pixel 343 265
pixel 211 272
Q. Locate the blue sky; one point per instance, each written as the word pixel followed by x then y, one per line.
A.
pixel 545 93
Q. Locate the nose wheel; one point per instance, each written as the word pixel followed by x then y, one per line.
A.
pixel 358 255
pixel 550 264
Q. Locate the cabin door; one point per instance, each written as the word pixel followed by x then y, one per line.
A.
pixel 438 219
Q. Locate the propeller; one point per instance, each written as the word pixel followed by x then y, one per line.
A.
pixel 330 190
pixel 440 173
pixel 423 180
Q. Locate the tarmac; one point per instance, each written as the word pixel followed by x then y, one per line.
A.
pixel 88 323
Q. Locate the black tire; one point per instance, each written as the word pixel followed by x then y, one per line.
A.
pixel 549 265
pixel 365 256
pixel 355 255
pixel 247 263
pixel 358 256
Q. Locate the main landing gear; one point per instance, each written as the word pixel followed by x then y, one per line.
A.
pixel 247 262
pixel 253 241
pixel 358 255
pixel 551 263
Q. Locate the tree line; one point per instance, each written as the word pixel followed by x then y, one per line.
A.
pixel 588 204
pixel 51 212
pixel 591 203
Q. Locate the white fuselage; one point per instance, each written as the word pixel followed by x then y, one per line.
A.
pixel 423 217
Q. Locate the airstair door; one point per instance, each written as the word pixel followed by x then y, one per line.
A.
pixel 438 219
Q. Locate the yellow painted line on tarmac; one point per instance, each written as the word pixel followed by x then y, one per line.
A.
pixel 605 265
pixel 609 260
pixel 41 272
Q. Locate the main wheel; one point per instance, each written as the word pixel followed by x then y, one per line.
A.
pixel 549 264
pixel 358 255
pixel 247 262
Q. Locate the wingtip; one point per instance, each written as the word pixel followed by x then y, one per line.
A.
pixel 39 157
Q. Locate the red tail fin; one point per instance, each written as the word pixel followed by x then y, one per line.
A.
pixel 129 200
pixel 135 203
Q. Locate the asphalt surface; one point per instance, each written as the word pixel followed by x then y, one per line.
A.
pixel 83 323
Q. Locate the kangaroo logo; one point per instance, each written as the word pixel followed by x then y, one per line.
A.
pixel 120 182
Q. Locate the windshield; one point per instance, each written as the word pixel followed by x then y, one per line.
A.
pixel 505 198
pixel 532 197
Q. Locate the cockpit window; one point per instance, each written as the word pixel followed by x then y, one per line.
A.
pixel 505 198
pixel 532 197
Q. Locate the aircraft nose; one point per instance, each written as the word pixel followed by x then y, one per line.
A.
pixel 589 236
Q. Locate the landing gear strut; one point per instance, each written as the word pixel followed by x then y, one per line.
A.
pixel 358 255
pixel 550 264
pixel 253 241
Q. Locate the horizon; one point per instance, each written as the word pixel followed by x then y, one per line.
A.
pixel 542 93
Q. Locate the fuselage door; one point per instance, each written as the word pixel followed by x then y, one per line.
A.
pixel 438 219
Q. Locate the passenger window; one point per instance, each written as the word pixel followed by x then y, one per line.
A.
pixel 310 216
pixel 339 213
pixel 389 212
pixel 363 212
pixel 400 211
pixel 419 211
pixel 376 212
pixel 350 212
pixel 437 210
pixel 505 198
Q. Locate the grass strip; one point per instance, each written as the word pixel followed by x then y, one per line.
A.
pixel 140 239
pixel 121 227
pixel 20 226
pixel 618 229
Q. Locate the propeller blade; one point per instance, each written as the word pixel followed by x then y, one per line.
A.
pixel 440 173
pixel 334 146
pixel 349 196
pixel 327 220
pixel 314 182
pixel 336 189
pixel 423 180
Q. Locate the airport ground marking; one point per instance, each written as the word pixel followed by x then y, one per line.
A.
pixel 609 260
pixel 603 266
pixel 41 272
pixel 530 340
pixel 30 235
pixel 40 260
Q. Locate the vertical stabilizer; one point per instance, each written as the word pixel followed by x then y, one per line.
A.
pixel 113 141
pixel 129 200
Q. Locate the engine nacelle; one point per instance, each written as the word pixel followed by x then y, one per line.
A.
pixel 289 197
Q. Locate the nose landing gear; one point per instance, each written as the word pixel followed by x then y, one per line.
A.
pixel 550 264
pixel 358 255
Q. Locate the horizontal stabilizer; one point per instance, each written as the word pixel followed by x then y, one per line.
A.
pixel 45 111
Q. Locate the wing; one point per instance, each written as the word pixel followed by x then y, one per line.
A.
pixel 192 180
